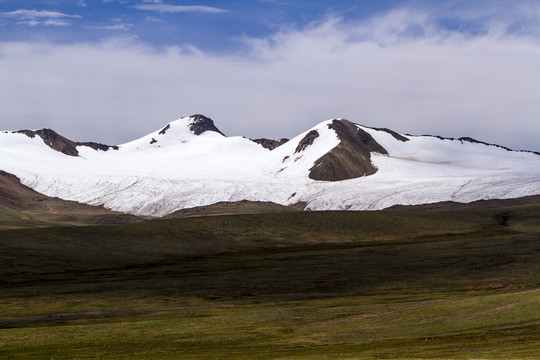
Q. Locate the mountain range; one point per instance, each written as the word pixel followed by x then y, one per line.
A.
pixel 336 165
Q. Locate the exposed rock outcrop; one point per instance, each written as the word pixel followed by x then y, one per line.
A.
pixel 59 143
pixel 98 146
pixel 270 144
pixel 306 141
pixel 201 123
pixel 393 133
pixel 474 141
pixel 54 140
pixel 351 158
pixel 164 130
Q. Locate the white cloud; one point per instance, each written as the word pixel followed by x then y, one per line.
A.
pixel 56 22
pixel 35 14
pixel 123 27
pixel 166 8
pixel 39 17
pixel 116 23
pixel 154 19
pixel 399 71
pixel 29 22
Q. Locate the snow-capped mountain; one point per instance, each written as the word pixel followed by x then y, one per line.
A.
pixel 335 165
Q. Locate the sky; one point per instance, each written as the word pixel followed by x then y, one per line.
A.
pixel 114 70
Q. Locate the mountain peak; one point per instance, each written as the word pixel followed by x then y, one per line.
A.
pixel 200 123
pixel 183 130
pixel 351 158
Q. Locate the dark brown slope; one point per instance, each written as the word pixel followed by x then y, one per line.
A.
pixel 238 207
pixel 59 143
pixel 21 206
pixel 474 205
pixel 351 158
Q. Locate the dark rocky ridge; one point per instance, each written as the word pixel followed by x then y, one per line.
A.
pixel 164 130
pixel 200 124
pixel 270 144
pixel 54 141
pixel 306 141
pixel 59 143
pixel 393 133
pixel 471 140
pixel 98 146
pixel 351 158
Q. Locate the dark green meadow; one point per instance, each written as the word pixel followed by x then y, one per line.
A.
pixel 450 284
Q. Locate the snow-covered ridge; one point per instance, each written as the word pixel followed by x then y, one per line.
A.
pixel 189 163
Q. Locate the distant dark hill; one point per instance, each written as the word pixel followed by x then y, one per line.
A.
pixel 239 207
pixel 474 205
pixel 21 206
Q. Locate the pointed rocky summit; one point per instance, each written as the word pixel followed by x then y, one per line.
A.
pixel 351 158
pixel 201 123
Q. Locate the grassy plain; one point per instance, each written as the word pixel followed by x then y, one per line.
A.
pixel 299 285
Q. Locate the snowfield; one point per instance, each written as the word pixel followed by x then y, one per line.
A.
pixel 174 169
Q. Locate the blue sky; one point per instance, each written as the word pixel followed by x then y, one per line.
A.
pixel 113 70
pixel 212 26
pixel 220 26
pixel 208 24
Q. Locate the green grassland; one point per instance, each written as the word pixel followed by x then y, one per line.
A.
pixel 449 284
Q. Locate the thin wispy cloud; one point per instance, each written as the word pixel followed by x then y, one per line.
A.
pixel 39 17
pixel 55 22
pixel 516 14
pixel 166 8
pixel 35 14
pixel 123 27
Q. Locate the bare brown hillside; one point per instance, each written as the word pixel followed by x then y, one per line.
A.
pixel 21 206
